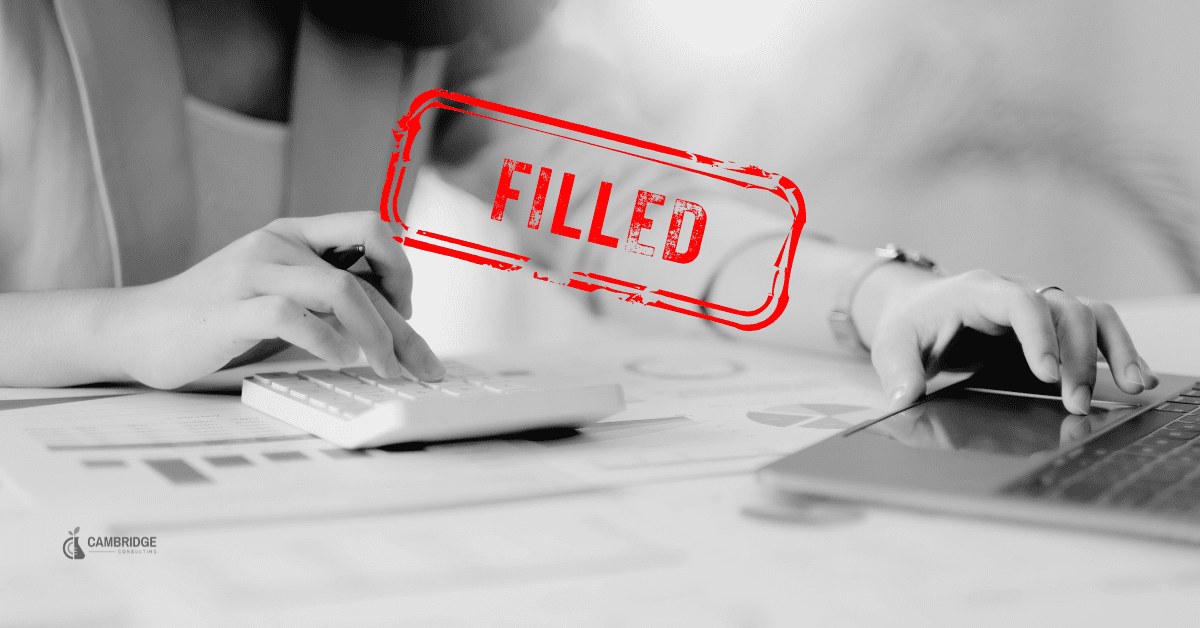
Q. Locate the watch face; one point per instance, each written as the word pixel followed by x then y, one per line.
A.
pixel 906 255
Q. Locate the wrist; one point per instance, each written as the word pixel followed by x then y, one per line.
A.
pixel 884 286
pixel 113 319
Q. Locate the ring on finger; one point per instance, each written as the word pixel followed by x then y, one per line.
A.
pixel 1044 289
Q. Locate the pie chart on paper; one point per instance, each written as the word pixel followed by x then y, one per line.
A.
pixel 821 416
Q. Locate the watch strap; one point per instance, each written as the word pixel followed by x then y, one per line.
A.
pixel 841 321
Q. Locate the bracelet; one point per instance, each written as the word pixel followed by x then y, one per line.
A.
pixel 706 294
pixel 841 320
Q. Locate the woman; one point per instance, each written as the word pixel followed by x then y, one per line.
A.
pixel 139 138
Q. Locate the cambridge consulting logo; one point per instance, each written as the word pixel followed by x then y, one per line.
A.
pixel 71 547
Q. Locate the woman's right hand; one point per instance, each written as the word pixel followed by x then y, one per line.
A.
pixel 273 283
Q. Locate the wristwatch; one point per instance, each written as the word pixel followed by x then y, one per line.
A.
pixel 840 319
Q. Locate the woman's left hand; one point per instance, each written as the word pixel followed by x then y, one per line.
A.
pixel 909 317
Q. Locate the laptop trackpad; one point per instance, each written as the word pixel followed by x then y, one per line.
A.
pixel 1020 425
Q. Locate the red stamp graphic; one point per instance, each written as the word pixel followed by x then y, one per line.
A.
pixel 668 218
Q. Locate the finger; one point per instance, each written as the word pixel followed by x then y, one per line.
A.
pixel 903 426
pixel 1117 347
pixel 384 254
pixel 940 436
pixel 279 317
pixel 896 354
pixel 329 290
pixel 414 352
pixel 1029 316
pixel 1073 428
pixel 1151 378
pixel 1076 328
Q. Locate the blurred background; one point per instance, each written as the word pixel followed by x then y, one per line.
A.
pixel 1055 140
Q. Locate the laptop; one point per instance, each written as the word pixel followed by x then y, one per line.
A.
pixel 1001 445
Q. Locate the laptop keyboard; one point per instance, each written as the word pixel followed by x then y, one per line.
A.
pixel 1159 472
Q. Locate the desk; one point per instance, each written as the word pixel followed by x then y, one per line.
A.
pixel 1166 330
pixel 673 553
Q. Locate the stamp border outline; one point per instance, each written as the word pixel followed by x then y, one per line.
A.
pixel 746 177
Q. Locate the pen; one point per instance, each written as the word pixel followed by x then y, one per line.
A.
pixel 343 259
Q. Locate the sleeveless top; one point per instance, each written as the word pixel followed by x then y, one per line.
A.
pixel 111 175
pixel 240 165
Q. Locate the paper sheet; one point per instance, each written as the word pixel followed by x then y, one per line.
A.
pixel 169 459
pixel 681 553
pixel 285 530
pixel 172 459
pixel 699 408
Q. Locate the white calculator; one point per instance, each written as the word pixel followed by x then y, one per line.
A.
pixel 356 408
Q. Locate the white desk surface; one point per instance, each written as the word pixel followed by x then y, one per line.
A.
pixel 1166 331
pixel 679 553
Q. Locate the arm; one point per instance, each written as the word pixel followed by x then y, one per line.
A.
pixel 908 318
pixel 59 338
pixel 271 283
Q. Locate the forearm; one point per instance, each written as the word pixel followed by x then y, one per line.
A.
pixel 60 338
pixel 819 271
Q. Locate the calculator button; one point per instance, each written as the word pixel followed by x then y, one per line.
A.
pixel 324 401
pixel 462 390
pixel 372 398
pixel 397 387
pixel 449 380
pixel 302 389
pixel 506 386
pixel 327 378
pixel 267 378
pixel 414 394
pixel 365 373
pixel 350 390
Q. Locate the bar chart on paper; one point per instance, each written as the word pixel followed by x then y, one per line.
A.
pixel 151 420
pixel 172 459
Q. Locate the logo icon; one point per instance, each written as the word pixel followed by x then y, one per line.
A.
pixel 71 547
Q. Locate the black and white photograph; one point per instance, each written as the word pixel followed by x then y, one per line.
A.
pixel 599 313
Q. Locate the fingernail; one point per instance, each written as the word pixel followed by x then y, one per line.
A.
pixel 1082 399
pixel 434 368
pixel 1151 377
pixel 898 394
pixel 1133 373
pixel 1049 365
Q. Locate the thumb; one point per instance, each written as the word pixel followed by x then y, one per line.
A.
pixel 896 355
